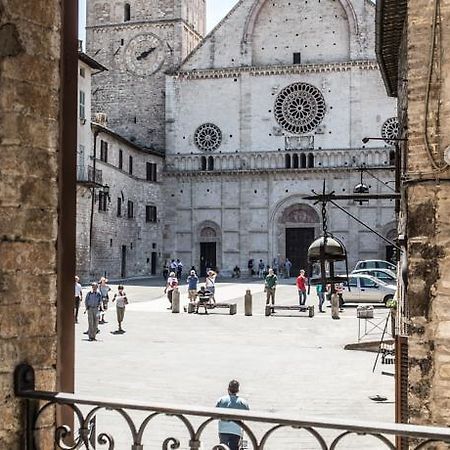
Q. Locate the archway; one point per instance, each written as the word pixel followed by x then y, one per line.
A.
pixel 295 226
pixel 209 246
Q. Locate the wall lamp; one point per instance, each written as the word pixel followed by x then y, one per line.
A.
pixel 367 139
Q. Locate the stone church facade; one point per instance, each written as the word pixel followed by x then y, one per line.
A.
pixel 274 101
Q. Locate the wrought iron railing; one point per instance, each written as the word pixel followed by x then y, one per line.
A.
pixel 87 174
pixel 196 420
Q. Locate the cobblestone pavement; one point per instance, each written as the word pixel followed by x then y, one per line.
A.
pixel 288 364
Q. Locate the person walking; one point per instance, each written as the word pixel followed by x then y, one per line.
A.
pixel 261 268
pixel 210 284
pixel 93 304
pixel 104 291
pixel 192 281
pixel 171 284
pixel 301 286
pixel 179 269
pixel 165 272
pixel 121 300
pixel 230 433
pixel 270 287
pixel 288 267
pixel 78 297
pixel 321 296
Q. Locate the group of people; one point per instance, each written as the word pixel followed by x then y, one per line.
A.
pixel 192 280
pixel 280 268
pixel 96 304
pixel 271 281
pixel 175 266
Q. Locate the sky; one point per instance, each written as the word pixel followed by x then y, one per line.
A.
pixel 216 10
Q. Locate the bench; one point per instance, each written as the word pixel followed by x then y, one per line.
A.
pixel 270 309
pixel 194 307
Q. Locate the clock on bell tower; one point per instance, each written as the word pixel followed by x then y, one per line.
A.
pixel 139 41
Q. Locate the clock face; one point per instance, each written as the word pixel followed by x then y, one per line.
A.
pixel 144 55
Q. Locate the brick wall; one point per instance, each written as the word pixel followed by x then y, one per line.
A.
pixel 29 129
pixel 427 208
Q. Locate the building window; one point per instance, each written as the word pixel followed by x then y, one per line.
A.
pixel 82 72
pixel 120 159
pixel 119 207
pixel 82 105
pixel 210 163
pixel 297 58
pixel 310 160
pixel 288 161
pixel 303 161
pixel 103 151
pixel 295 161
pixel 150 214
pixel 203 163
pixel 102 201
pixel 151 172
pixel 130 165
pixel 127 12
pixel 130 211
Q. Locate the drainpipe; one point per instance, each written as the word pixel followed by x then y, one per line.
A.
pixel 91 219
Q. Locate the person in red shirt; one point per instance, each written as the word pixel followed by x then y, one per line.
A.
pixel 301 286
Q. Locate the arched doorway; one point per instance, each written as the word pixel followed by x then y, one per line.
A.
pixel 209 239
pixel 296 225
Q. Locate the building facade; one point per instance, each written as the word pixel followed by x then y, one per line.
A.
pixel 274 101
pixel 260 113
pixel 139 41
pixel 119 195
pixel 411 47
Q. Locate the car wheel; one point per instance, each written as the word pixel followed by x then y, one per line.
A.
pixel 387 299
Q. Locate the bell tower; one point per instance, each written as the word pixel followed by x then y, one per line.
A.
pixel 138 41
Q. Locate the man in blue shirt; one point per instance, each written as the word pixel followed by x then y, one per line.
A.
pixel 93 302
pixel 230 432
pixel 192 280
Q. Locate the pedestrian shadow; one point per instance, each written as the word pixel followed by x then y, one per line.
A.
pixel 118 332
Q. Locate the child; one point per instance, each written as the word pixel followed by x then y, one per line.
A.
pixel 121 300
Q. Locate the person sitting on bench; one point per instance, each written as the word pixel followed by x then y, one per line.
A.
pixel 236 272
pixel 204 297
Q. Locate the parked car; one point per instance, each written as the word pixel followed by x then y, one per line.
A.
pixel 386 275
pixel 366 289
pixel 375 264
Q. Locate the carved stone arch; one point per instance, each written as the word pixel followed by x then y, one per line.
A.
pixel 292 212
pixel 258 5
pixel 209 232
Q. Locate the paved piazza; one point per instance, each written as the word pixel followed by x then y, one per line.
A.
pixel 286 364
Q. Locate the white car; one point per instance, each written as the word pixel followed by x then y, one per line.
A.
pixel 386 275
pixel 366 289
pixel 375 264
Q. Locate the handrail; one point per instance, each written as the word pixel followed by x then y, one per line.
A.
pixel 24 388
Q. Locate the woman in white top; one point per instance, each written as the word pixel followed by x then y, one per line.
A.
pixel 210 283
pixel 121 300
pixel 172 283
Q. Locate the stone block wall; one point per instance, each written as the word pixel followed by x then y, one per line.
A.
pixel 427 208
pixel 30 34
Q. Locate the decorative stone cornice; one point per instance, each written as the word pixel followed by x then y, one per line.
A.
pixel 136 25
pixel 234 72
pixel 279 174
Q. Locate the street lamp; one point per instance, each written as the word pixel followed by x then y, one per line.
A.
pixel 367 139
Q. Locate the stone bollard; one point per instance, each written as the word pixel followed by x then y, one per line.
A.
pixel 248 303
pixel 176 301
pixel 335 306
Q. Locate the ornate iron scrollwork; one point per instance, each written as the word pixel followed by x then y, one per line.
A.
pixel 82 438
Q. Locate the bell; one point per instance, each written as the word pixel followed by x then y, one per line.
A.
pixel 325 252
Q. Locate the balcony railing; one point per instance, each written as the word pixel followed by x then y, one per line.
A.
pixel 89 175
pixel 259 428
pixel 282 160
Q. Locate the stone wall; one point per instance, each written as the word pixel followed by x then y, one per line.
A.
pixel 427 195
pixel 112 232
pixel 30 34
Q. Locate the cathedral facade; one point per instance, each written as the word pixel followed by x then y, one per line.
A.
pixel 269 105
